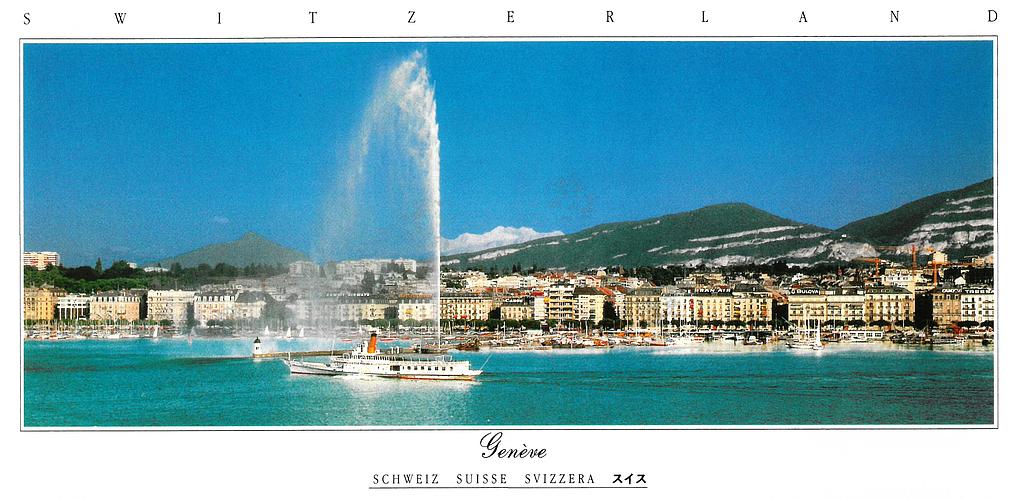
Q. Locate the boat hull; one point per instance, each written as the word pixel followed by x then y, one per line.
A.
pixel 311 368
pixel 308 368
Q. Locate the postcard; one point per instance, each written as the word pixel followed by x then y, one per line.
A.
pixel 509 263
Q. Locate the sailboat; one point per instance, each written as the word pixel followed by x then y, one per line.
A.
pixel 155 330
pixel 288 333
pixel 804 342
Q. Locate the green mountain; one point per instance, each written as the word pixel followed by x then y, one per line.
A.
pixel 717 235
pixel 959 222
pixel 251 248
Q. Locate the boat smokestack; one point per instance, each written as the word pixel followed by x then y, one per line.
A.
pixel 372 348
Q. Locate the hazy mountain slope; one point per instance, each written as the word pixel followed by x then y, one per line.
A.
pixel 251 248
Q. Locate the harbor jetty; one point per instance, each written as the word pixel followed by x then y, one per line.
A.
pixel 259 353
pixel 298 354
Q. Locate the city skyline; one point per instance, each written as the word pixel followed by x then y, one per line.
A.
pixel 126 144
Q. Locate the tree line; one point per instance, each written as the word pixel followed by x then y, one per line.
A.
pixel 121 276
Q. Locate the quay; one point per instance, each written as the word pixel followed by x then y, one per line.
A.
pixel 298 354
pixel 258 353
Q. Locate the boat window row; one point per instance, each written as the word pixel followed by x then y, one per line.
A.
pixel 429 368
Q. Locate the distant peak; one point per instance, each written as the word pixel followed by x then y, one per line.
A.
pixel 730 206
pixel 251 235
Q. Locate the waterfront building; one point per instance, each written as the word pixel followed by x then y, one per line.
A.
pixel 588 304
pixel 978 304
pixel 117 305
pixel 40 303
pixel 696 306
pixel 250 305
pixel 518 310
pixel 892 304
pixel 40 260
pixel 809 307
pixel 467 306
pixel 155 269
pixel 945 306
pixel 170 305
pixel 641 307
pixel 338 309
pixel 72 307
pixel 214 305
pixel 415 307
pixel 559 301
pixel 540 308
pixel 751 304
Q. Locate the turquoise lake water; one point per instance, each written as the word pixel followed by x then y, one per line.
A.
pixel 212 383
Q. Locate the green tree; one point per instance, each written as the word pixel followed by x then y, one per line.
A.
pixel 609 311
pixel 99 266
pixel 119 269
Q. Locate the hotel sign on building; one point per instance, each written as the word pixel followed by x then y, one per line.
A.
pixel 977 304
pixel 946 306
pixel 810 307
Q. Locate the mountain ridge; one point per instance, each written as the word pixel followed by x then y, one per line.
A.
pixel 927 222
pixel 739 233
pixel 250 248
pixel 959 222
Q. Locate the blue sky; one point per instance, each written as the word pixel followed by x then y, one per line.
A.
pixel 147 150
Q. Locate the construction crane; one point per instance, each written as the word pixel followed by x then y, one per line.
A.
pixel 935 266
pixel 876 261
pixel 899 250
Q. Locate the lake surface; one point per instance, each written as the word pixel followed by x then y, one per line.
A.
pixel 212 382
